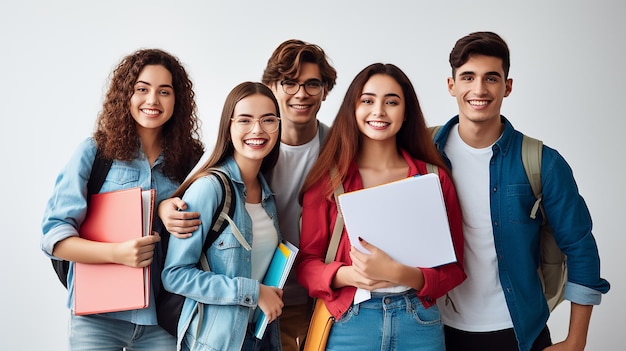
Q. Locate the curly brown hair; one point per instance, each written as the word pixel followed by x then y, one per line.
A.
pixel 116 131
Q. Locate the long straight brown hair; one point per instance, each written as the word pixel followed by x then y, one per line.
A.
pixel 224 144
pixel 343 142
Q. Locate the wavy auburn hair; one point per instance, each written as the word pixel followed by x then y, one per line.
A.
pixel 344 138
pixel 116 131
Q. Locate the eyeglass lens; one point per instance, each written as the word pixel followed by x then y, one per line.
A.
pixel 313 87
pixel 246 124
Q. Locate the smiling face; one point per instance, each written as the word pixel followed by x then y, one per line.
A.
pixel 152 102
pixel 257 143
pixel 380 108
pixel 480 86
pixel 300 109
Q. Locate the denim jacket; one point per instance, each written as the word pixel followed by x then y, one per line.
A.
pixel 67 207
pixel 227 292
pixel 516 235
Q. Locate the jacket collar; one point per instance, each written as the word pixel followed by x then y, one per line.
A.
pixel 503 143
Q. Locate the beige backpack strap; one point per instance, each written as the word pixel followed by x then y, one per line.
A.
pixel 338 228
pixel 433 130
pixel 431 168
pixel 531 159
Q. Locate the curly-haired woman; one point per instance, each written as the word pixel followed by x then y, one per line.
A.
pixel 149 127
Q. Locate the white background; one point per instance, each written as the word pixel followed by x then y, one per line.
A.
pixel 567 66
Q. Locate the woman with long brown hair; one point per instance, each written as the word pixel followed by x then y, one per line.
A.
pixel 378 136
pixel 220 310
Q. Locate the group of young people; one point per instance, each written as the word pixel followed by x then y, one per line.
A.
pixel 278 156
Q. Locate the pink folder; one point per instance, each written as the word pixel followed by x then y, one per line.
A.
pixel 115 216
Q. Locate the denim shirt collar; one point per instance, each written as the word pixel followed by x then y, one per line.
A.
pixel 232 169
pixel 504 143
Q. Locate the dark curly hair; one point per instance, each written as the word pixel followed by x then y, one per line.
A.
pixel 116 132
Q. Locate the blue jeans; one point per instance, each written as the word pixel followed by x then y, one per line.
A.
pixel 98 333
pixel 388 322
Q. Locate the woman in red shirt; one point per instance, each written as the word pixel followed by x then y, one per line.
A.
pixel 378 136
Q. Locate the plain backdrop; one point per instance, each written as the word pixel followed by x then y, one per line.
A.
pixel 567 66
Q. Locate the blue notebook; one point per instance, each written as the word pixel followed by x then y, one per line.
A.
pixel 276 275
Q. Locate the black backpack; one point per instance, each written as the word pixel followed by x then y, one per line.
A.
pixel 169 305
pixel 99 171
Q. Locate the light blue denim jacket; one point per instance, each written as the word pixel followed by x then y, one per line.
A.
pixel 228 293
pixel 67 207
pixel 516 235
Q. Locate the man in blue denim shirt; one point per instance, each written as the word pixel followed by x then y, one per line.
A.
pixel 501 305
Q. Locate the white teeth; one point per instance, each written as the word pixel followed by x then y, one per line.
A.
pixel 150 112
pixel 478 103
pixel 378 124
pixel 300 107
pixel 255 142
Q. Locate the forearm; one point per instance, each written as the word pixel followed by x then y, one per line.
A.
pixel 85 251
pixel 407 276
pixel 580 316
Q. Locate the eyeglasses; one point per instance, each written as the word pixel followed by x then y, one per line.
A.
pixel 312 87
pixel 269 124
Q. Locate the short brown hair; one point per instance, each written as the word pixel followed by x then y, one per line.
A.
pixel 287 60
pixel 480 43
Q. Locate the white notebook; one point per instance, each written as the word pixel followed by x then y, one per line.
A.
pixel 407 219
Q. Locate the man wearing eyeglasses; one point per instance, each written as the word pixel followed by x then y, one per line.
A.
pixel 301 77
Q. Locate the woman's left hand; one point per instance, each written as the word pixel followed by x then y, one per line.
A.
pixel 376 265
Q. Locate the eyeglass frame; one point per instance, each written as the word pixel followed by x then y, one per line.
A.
pixel 300 85
pixel 254 121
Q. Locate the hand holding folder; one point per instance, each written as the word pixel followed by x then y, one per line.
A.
pixel 407 219
pixel 276 275
pixel 114 217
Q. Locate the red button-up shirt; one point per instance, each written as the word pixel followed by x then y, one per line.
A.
pixel 318 219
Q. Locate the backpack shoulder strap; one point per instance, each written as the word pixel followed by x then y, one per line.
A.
pixel 433 130
pixel 226 209
pixel 431 168
pixel 333 245
pixel 531 159
pixel 99 171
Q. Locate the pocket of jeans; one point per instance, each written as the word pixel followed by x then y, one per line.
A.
pixel 348 315
pixel 423 315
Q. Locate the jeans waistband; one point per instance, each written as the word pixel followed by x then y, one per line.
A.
pixel 390 294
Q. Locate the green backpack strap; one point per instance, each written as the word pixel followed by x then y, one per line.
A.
pixel 531 159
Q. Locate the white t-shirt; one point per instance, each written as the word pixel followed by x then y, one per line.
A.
pixel 264 240
pixel 294 163
pixel 479 299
